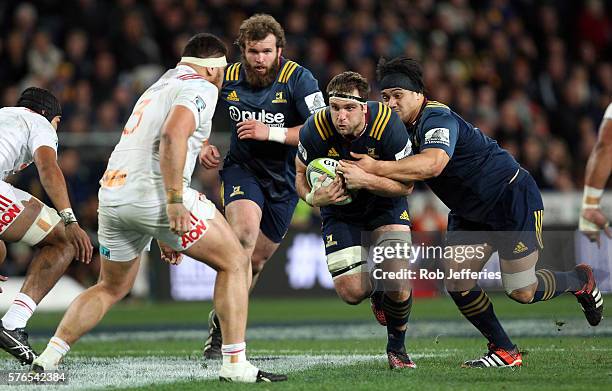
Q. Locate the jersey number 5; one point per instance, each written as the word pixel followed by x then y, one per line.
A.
pixel 132 123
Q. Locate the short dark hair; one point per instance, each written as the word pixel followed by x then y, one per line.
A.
pixel 403 65
pixel 205 45
pixel 40 101
pixel 257 28
pixel 348 81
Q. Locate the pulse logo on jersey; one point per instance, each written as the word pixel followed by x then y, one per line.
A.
pixel 272 119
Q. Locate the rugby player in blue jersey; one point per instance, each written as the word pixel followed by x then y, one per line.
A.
pixel 490 196
pixel 267 99
pixel 377 216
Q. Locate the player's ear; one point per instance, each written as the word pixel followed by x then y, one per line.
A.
pixel 280 53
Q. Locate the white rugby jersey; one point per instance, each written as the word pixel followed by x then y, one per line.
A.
pixel 22 131
pixel 608 113
pixel 133 173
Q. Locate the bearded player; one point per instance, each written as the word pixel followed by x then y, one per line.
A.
pixel 267 99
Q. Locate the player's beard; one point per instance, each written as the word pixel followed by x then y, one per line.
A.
pixel 256 80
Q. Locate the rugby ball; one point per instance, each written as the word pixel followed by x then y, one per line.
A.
pixel 324 166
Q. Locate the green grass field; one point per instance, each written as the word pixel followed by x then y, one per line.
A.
pixel 327 345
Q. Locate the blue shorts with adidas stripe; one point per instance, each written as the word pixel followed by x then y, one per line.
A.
pixel 340 232
pixel 240 184
pixel 513 226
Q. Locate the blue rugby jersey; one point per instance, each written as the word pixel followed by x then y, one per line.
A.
pixel 385 138
pixel 478 170
pixel 287 102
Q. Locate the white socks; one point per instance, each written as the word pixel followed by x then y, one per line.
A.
pixel 234 353
pixel 235 366
pixel 54 352
pixel 19 312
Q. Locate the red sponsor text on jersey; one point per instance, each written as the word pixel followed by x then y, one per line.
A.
pixel 8 211
pixel 197 231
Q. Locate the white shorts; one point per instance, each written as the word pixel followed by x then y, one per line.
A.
pixel 11 204
pixel 125 231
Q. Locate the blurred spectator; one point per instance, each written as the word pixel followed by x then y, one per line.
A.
pixel 43 56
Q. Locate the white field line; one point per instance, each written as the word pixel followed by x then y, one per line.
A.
pixel 359 331
pixel 121 372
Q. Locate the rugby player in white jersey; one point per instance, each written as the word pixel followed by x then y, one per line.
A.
pixel 27 134
pixel 598 169
pixel 145 194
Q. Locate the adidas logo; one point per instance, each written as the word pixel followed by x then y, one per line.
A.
pixel 233 96
pixel 332 152
pixel 405 216
pixel 519 248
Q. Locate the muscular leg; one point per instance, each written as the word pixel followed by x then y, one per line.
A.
pixel 353 288
pixel 244 217
pixel 221 250
pixel 397 296
pixel 525 285
pixel 86 311
pixel 48 265
pixel 473 301
pixel 263 251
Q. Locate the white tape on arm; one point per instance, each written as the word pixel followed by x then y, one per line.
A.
pixel 590 194
pixel 277 134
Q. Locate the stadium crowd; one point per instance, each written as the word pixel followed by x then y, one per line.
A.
pixel 536 76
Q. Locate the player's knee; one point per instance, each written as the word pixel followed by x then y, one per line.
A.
pixel 258 262
pixel 523 295
pixel 237 261
pixel 115 290
pixel 247 235
pixel 459 285
pixel 520 286
pixel 350 293
pixel 400 295
pixel 58 239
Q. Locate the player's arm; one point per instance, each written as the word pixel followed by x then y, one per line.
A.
pixel 598 169
pixel 428 164
pixel 52 180
pixel 177 129
pixel 257 130
pixel 438 137
pixel 356 178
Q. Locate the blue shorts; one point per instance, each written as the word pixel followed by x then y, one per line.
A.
pixel 339 233
pixel 513 227
pixel 238 183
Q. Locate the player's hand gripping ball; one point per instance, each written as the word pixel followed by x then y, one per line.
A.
pixel 320 167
